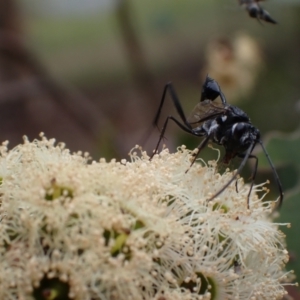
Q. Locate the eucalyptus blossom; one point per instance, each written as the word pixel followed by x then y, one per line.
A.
pixel 74 228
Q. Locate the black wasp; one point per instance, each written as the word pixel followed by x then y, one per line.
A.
pixel 256 11
pixel 222 123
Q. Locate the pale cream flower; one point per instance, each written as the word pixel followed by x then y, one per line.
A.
pixel 137 229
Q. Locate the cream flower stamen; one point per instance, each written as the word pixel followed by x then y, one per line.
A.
pixel 137 229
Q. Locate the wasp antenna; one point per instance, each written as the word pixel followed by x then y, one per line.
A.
pixel 276 177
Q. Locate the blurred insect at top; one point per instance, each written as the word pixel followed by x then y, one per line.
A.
pixel 235 64
pixel 256 11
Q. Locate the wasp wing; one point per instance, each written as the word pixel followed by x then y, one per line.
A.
pixel 205 110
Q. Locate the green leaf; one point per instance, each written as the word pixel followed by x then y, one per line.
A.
pixel 284 151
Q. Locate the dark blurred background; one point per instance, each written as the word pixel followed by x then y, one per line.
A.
pixel 91 74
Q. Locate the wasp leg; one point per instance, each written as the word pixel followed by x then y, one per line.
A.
pixel 237 172
pixel 202 145
pixel 182 126
pixel 276 177
pixel 253 176
pixel 169 87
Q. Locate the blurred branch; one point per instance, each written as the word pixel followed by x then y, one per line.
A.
pixel 81 109
pixel 11 91
pixel 10 17
pixel 142 76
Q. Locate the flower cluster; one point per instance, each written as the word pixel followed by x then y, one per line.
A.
pixel 72 228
